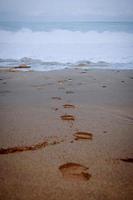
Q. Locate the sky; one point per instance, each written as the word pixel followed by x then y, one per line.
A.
pixel 66 10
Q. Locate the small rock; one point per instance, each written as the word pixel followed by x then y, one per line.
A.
pixel 22 66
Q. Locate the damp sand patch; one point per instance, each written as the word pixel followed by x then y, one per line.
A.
pixel 56 98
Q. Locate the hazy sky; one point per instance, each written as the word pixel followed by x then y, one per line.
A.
pixel 88 10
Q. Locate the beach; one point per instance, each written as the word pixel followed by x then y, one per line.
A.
pixel 66 134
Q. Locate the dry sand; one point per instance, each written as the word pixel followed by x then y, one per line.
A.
pixel 45 155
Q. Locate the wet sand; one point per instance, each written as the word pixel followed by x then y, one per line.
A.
pixel 66 135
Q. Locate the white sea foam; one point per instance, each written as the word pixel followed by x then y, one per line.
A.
pixel 67 46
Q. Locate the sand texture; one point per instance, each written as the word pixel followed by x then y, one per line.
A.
pixel 66 135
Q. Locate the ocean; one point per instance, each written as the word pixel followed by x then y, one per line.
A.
pixel 49 46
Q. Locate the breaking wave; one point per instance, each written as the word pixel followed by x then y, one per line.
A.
pixel 62 48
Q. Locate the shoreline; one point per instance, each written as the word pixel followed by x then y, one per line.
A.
pixel 85 69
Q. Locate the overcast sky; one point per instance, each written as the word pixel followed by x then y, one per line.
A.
pixel 40 10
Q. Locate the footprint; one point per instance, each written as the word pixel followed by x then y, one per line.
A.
pixel 130 118
pixel 69 92
pixel 68 106
pixel 50 83
pixel 79 83
pixel 104 86
pixel 68 117
pixel 55 109
pixel 57 98
pixel 74 171
pixel 84 72
pixel 62 81
pixel 4 83
pixel 23 148
pixel 104 131
pixel 126 118
pixel 56 142
pixel 83 135
pixel 4 91
pixel 130 160
pixel 39 86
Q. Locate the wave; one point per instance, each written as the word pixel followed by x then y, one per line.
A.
pixel 65 46
pixel 39 65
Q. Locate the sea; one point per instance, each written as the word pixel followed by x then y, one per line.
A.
pixel 46 46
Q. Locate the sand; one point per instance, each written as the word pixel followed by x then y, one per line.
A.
pixel 66 135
